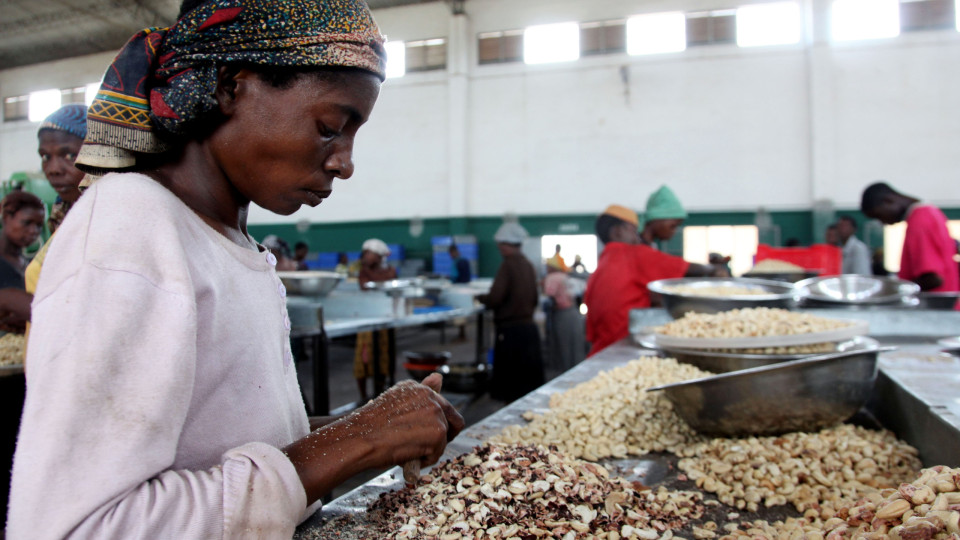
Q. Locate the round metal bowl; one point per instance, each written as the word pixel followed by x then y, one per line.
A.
pixel 792 277
pixel 939 300
pixel 856 289
pixel 724 362
pixel 310 283
pixel 464 378
pixel 427 358
pixel 800 395
pixel 776 294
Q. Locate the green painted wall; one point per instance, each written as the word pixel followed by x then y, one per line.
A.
pixel 331 237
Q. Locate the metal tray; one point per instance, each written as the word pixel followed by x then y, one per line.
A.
pixel 720 362
pixel 778 294
pixel 800 395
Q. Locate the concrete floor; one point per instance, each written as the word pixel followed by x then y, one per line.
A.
pixel 343 388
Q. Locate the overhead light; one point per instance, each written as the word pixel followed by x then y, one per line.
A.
pixel 865 19
pixel 777 23
pixel 656 33
pixel 396 58
pixel 42 104
pixel 549 43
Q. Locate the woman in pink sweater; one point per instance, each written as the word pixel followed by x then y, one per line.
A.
pixel 162 400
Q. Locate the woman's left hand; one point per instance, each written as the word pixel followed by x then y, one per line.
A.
pixel 14 309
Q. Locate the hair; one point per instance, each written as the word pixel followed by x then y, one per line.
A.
pixel 791 242
pixel 18 200
pixel 873 196
pixel 848 219
pixel 452 248
pixel 301 244
pixel 605 223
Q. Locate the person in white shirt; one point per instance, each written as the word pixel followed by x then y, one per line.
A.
pixel 162 399
pixel 856 255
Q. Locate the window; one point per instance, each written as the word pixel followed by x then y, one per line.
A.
pixel 73 95
pixel 603 37
pixel 927 14
pixel 656 33
pixel 500 47
pixel 711 27
pixel 865 19
pixel 571 245
pixel 91 93
pixel 893 236
pixel 42 104
pixel 15 108
pixel 761 25
pixel 396 58
pixel 426 55
pixel 551 43
pixel 739 242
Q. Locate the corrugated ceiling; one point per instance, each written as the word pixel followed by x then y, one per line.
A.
pixel 34 31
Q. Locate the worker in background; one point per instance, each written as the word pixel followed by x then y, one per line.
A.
pixel 832 236
pixel 856 255
pixel 566 345
pixel 280 250
pixel 577 267
pixel 517 358
pixel 557 260
pixel 928 249
pixel 461 266
pixel 343 264
pixel 625 268
pixel 300 252
pixel 663 217
pixel 373 355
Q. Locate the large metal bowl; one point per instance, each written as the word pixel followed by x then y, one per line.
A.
pixel 939 300
pixel 792 277
pixel 310 283
pixel 856 289
pixel 776 294
pixel 723 362
pixel 800 395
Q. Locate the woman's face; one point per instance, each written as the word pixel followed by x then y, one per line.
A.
pixel 282 147
pixel 58 150
pixel 23 228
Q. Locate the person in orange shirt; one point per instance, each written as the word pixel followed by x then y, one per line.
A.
pixel 557 261
pixel 625 268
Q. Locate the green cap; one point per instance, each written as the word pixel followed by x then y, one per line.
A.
pixel 663 204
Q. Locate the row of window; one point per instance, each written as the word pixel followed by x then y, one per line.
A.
pixel 772 23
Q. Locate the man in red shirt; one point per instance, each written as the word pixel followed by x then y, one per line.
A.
pixel 625 268
pixel 928 249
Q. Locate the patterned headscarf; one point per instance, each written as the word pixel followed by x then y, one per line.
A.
pixel 164 78
pixel 71 119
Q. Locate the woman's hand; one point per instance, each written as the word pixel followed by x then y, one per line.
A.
pixel 407 422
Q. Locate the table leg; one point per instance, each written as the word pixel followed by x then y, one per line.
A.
pixel 481 349
pixel 321 392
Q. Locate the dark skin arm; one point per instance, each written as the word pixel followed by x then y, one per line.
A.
pixel 408 422
pixel 706 270
pixel 928 281
pixel 14 310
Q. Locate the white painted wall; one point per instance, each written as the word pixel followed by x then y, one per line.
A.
pixel 727 128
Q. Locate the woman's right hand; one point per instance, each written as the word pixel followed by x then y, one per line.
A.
pixel 410 421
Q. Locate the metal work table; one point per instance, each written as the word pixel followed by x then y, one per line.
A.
pixel 917 396
pixel 316 339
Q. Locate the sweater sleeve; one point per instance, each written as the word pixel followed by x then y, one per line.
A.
pixel 112 363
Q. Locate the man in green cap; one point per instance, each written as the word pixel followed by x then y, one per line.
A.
pixel 663 217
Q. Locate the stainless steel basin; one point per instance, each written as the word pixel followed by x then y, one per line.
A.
pixel 800 395
pixel 310 283
pixel 777 294
pixel 856 289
